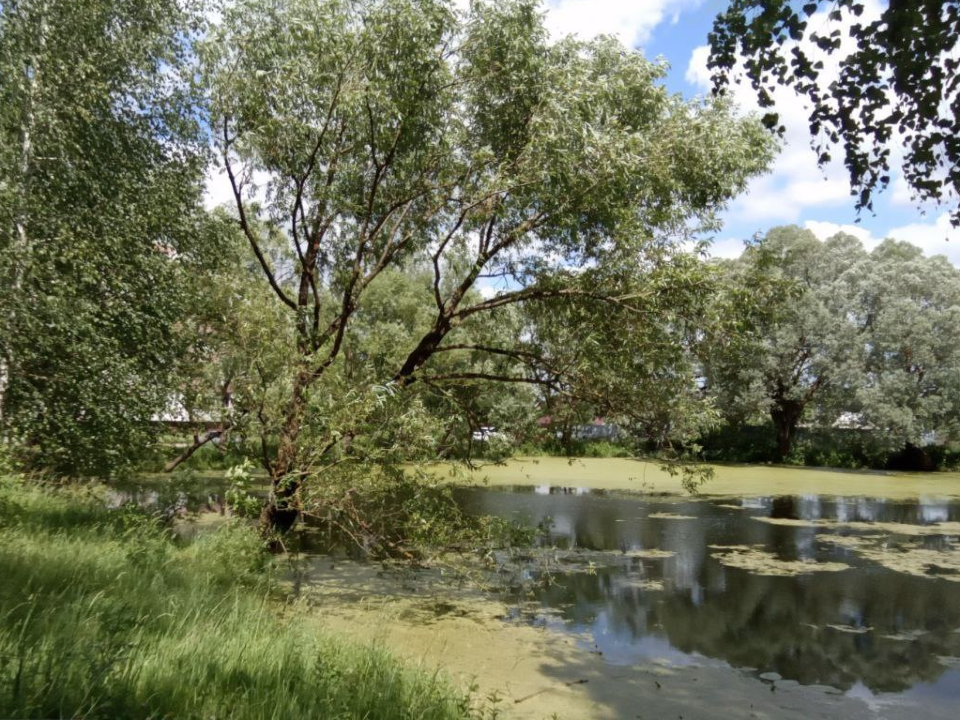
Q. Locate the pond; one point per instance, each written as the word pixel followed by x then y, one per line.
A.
pixel 791 605
pixel 861 594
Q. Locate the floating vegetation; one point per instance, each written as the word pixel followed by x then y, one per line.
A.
pixel 743 548
pixel 906 635
pixel 761 562
pixel 917 561
pixel 644 584
pixel 908 558
pixel 670 516
pixel 850 541
pixel 941 528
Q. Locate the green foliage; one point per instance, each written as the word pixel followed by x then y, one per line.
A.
pixel 400 137
pixel 383 511
pixel 104 618
pixel 102 233
pixel 577 448
pixel 798 348
pixel 843 339
pixel 238 496
pixel 895 90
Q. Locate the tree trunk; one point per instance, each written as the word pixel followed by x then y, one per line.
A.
pixel 786 416
pixel 282 509
pixel 21 244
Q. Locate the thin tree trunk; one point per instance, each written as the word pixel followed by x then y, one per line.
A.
pixel 198 442
pixel 21 240
pixel 281 511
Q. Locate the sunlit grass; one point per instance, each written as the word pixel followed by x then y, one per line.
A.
pixel 104 614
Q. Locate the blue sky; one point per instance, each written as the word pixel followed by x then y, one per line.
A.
pixel 796 191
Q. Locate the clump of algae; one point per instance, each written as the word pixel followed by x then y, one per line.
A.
pixel 917 561
pixel 892 528
pixel 649 554
pixel 761 562
pixel 908 558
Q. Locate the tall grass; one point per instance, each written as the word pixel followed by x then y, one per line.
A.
pixel 103 614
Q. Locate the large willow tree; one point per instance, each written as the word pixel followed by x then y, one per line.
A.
pixel 377 134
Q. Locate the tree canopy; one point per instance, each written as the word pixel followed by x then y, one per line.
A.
pixel 401 134
pixel 845 339
pixel 101 223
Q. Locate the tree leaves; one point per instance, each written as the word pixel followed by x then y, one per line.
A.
pixel 896 88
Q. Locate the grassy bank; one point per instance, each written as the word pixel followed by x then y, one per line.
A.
pixel 104 614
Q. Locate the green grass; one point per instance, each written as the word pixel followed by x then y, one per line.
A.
pixel 104 614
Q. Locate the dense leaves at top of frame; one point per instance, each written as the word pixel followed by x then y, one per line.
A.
pixel 896 86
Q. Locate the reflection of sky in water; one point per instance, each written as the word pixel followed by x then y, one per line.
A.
pixel 798 626
pixel 944 691
pixel 934 510
pixel 618 650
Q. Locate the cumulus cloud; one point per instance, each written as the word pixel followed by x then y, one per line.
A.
pixel 631 21
pixel 726 248
pixel 824 230
pixel 937 237
pixel 217 188
pixel 934 238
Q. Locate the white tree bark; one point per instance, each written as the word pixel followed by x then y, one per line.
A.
pixel 21 242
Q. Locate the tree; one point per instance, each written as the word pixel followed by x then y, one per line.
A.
pixel 897 82
pixel 910 311
pixel 101 224
pixel 842 336
pixel 397 134
pixel 802 350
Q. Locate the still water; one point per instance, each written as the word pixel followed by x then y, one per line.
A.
pixel 830 593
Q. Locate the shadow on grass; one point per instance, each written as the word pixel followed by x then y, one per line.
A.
pixel 103 614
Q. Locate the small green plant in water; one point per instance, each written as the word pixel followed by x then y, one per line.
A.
pixel 238 497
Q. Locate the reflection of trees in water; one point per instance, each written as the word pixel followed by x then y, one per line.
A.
pixel 772 623
pixel 779 623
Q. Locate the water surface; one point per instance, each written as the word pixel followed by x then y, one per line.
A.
pixel 868 630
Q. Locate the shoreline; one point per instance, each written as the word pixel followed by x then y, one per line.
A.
pixel 534 673
pixel 648 477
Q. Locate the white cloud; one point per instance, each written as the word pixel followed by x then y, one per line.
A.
pixel 631 21
pixel 726 248
pixel 824 230
pixel 217 189
pixel 936 238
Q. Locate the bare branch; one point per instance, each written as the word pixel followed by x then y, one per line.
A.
pixel 245 225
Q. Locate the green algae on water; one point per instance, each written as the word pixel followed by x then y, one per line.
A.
pixel 760 562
